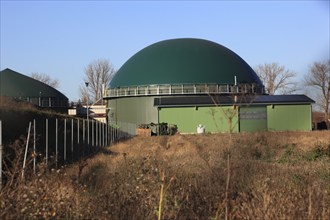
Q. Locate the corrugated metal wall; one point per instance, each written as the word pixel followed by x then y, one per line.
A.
pixel 253 118
pixel 140 110
pixel 214 119
pixel 289 117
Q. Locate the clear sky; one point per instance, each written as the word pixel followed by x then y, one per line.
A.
pixel 60 38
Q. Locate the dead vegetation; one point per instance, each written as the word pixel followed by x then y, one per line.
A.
pixel 284 175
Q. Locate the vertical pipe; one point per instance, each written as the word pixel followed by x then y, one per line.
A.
pixel 56 141
pixel 65 139
pixel 72 139
pixel 46 141
pixel 34 146
pixel 0 154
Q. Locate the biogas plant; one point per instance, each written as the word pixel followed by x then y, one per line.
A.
pixel 195 82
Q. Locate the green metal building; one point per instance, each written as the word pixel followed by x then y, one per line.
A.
pixel 192 82
pixel 23 88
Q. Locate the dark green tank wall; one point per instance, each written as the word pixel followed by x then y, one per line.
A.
pixel 135 110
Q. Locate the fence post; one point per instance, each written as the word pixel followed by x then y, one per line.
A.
pixel 96 133
pixel 112 134
pixel 34 146
pixel 103 132
pixel 100 134
pixel 72 139
pixel 46 141
pixel 87 131
pixel 56 141
pixel 26 149
pixel 84 141
pixel 78 138
pixel 65 139
pixel 78 131
pixel 92 133
pixel 106 134
pixel 0 154
pixel 83 133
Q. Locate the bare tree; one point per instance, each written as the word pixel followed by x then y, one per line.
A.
pixel 97 76
pixel 276 79
pixel 42 77
pixel 319 78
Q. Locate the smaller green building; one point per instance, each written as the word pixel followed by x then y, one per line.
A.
pixel 23 88
pixel 240 114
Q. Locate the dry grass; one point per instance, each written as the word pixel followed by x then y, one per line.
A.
pixel 284 175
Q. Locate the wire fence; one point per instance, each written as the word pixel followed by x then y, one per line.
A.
pixel 57 141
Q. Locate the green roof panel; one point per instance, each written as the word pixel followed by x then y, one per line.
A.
pixel 184 61
pixel 14 84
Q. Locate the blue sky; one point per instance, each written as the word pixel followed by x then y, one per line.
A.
pixel 60 38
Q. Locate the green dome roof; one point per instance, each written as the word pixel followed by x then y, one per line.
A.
pixel 184 61
pixel 14 84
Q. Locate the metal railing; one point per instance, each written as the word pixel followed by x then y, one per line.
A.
pixel 184 89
